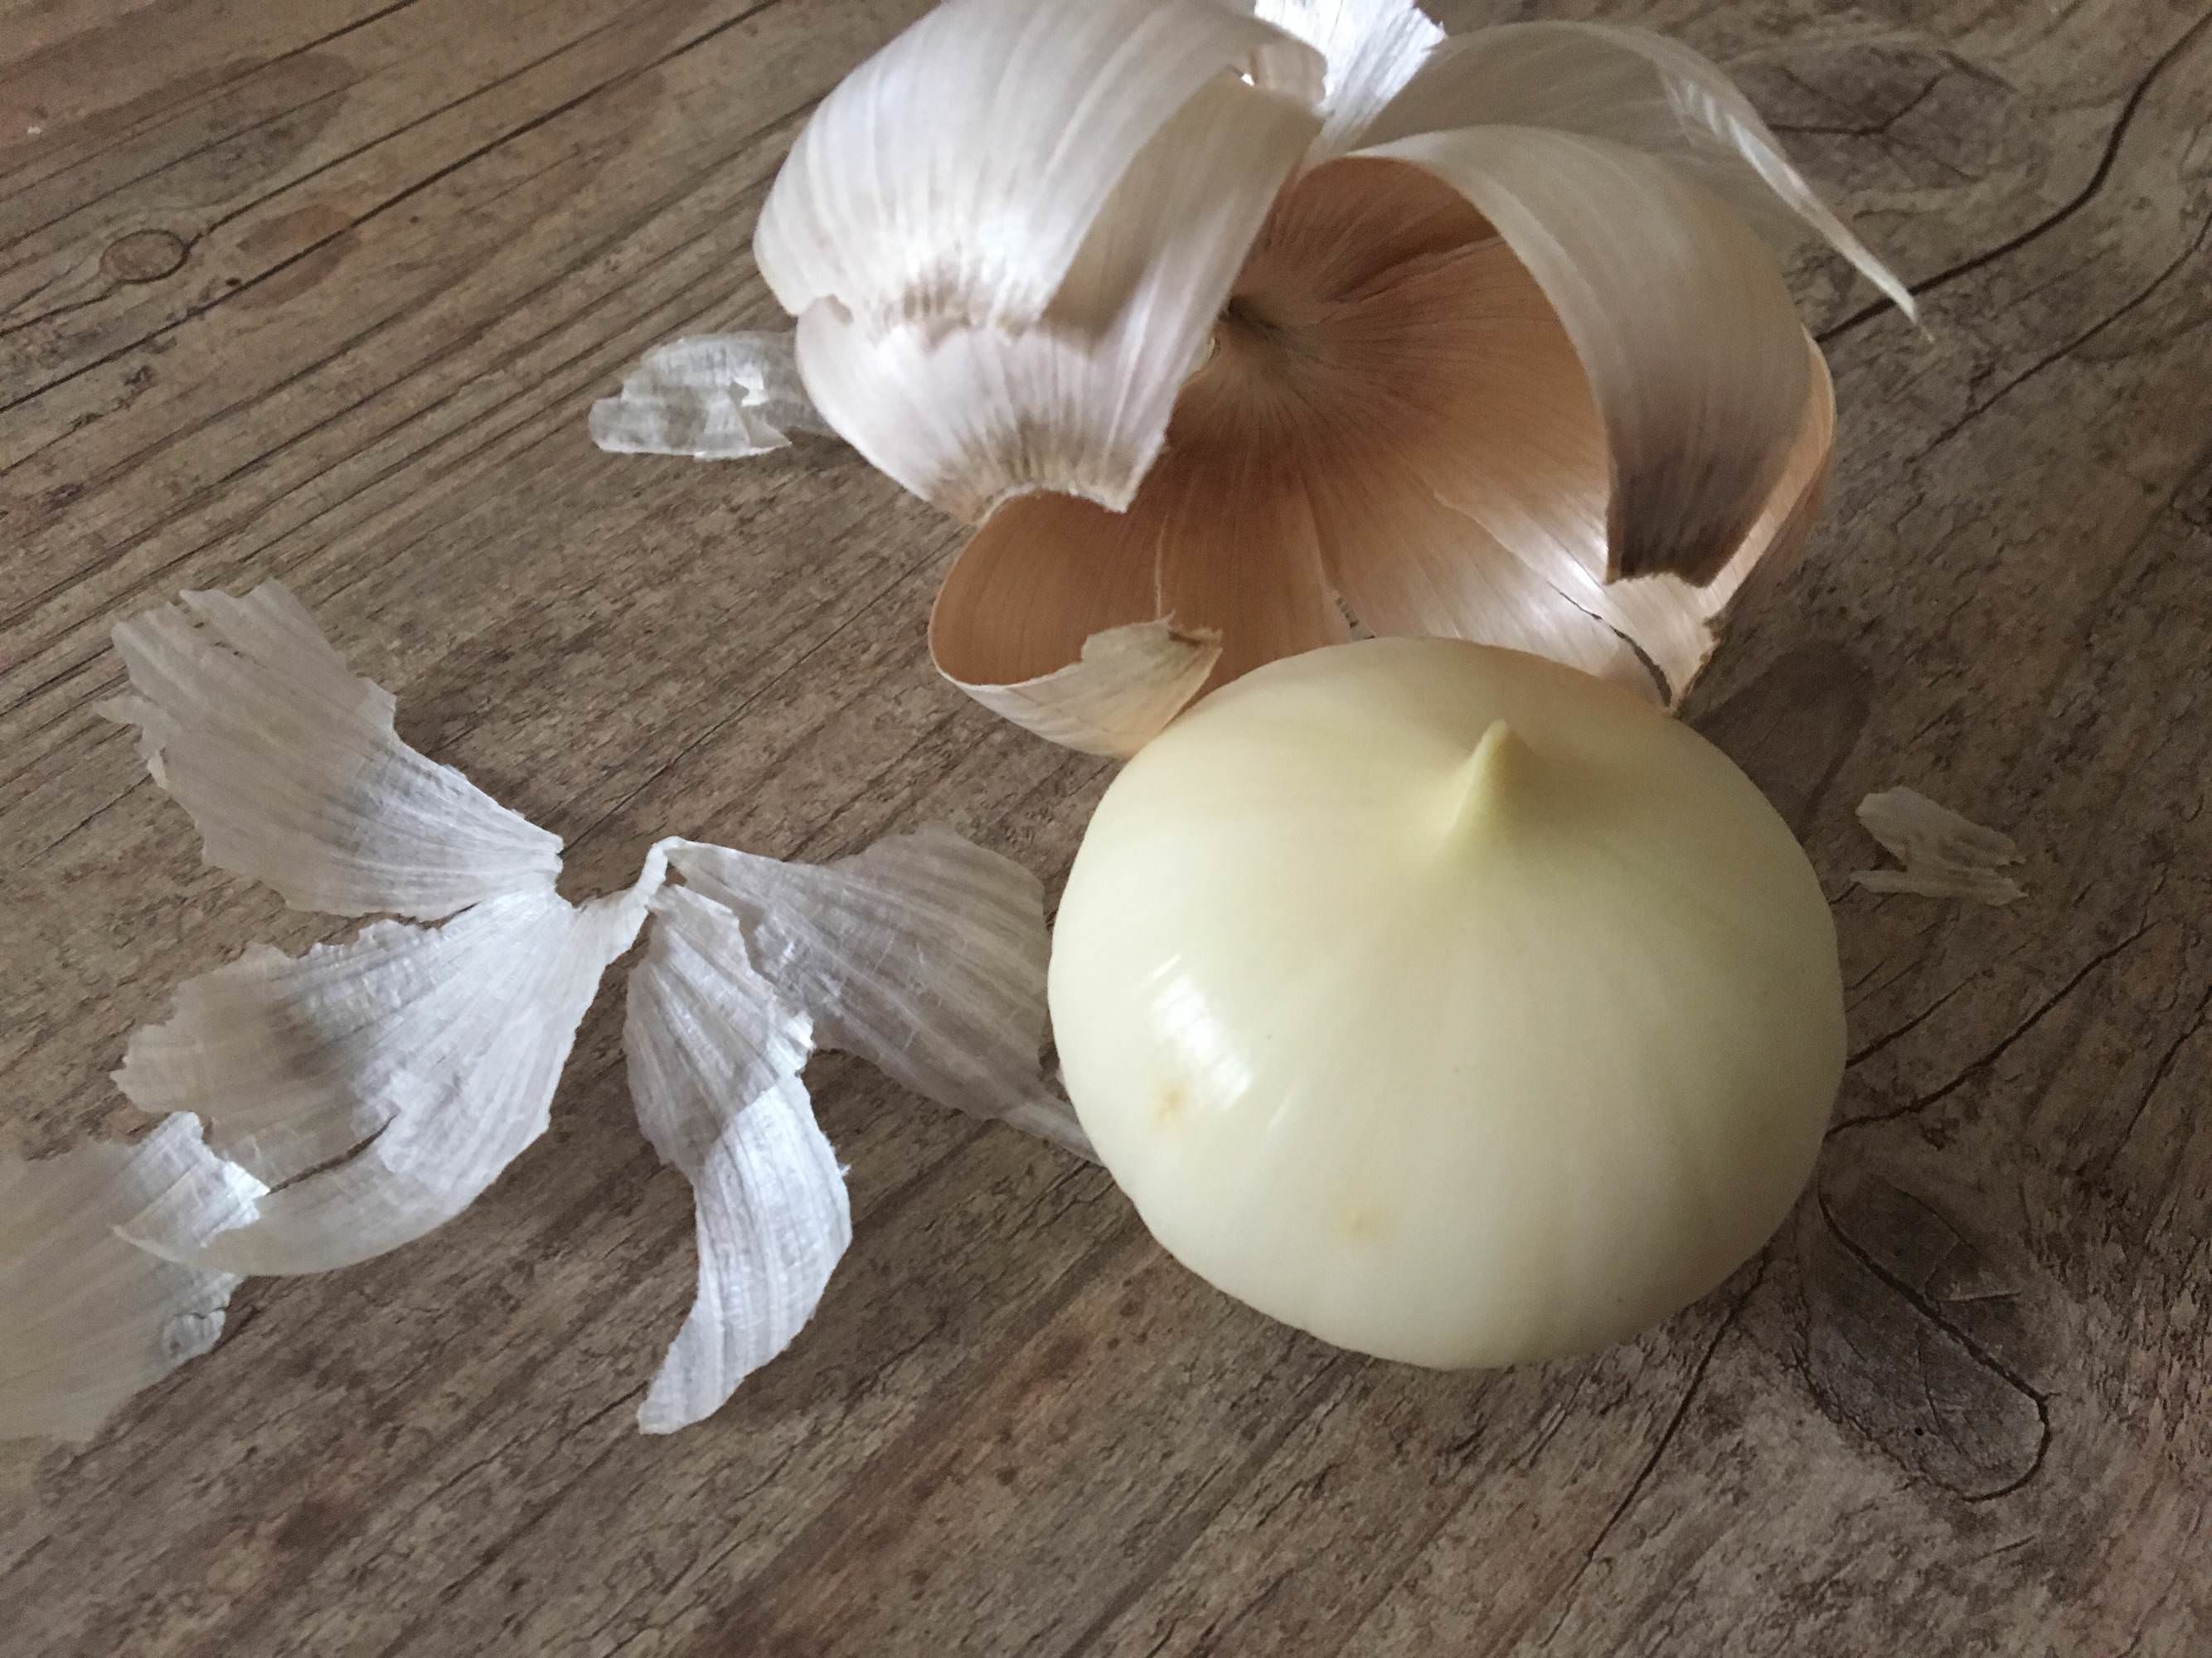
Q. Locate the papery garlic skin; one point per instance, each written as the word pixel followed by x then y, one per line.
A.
pixel 93 1313
pixel 1448 1003
pixel 1445 336
pixel 364 1093
pixel 1945 855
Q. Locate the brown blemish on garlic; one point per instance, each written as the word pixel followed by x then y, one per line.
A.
pixel 1171 1106
pixel 1363 1222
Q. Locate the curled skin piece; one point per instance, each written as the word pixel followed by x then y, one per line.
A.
pixel 715 1056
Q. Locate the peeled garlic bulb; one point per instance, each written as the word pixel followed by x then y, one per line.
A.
pixel 1450 1004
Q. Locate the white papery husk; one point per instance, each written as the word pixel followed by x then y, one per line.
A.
pixel 362 1094
pixel 925 954
pixel 711 397
pixel 715 1058
pixel 423 1059
pixel 91 1316
pixel 1035 110
pixel 1007 236
pixel 1632 86
pixel 291 767
pixel 1945 855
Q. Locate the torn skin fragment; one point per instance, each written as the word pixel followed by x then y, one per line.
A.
pixel 1944 854
pixel 294 775
pixel 424 1058
pixel 709 397
pixel 924 954
pixel 92 1316
pixel 364 1093
pixel 715 1056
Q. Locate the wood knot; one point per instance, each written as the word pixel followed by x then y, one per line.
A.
pixel 143 256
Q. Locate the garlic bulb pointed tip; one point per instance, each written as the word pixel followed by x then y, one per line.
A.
pixel 1494 774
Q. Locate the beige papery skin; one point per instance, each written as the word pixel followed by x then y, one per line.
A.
pixel 1945 855
pixel 1234 330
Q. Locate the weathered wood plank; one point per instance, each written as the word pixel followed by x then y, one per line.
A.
pixel 81 76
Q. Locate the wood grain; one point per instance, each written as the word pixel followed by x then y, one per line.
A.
pixel 322 290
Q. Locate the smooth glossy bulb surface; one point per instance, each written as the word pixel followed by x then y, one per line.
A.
pixel 1447 1002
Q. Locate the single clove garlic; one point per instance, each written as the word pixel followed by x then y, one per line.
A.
pixel 1447 1002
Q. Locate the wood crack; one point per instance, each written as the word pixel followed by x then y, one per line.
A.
pixel 2065 351
pixel 1910 1025
pixel 2088 193
pixel 1665 1439
pixel 2158 1076
pixel 1975 1067
pixel 1932 1312
pixel 1866 130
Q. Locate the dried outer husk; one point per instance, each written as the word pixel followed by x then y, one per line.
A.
pixel 925 954
pixel 1020 245
pixel 362 1094
pixel 380 1085
pixel 291 767
pixel 714 1057
pixel 92 1316
pixel 709 397
pixel 1945 855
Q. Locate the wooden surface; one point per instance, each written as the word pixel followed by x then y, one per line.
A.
pixel 322 289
